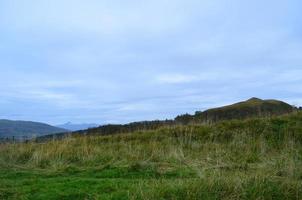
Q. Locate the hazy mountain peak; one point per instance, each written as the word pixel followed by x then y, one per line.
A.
pixel 75 127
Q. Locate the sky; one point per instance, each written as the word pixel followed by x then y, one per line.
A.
pixel 117 61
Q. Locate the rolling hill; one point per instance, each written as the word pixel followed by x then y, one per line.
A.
pixel 253 107
pixel 26 129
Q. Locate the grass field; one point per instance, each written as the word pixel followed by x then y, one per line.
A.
pixel 251 159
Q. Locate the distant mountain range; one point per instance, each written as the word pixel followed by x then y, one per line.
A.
pixel 75 127
pixel 26 129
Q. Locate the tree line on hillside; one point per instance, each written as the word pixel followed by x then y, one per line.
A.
pixel 127 128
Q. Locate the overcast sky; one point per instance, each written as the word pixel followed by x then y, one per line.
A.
pixel 118 61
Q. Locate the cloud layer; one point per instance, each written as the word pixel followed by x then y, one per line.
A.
pixel 120 61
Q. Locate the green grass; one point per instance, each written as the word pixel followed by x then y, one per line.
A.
pixel 251 159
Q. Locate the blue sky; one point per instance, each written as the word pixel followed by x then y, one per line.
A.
pixel 119 61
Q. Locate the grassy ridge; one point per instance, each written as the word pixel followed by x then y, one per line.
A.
pixel 251 159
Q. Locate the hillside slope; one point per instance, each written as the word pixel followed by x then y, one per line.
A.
pixel 230 160
pixel 25 129
pixel 253 107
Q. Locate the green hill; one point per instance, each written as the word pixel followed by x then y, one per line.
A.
pixel 253 107
pixel 25 129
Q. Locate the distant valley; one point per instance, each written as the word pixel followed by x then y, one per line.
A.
pixel 76 127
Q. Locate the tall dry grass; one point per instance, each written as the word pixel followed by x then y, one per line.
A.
pixel 259 154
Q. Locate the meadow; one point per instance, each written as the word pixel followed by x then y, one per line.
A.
pixel 257 158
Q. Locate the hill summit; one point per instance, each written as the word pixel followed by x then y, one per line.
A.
pixel 253 107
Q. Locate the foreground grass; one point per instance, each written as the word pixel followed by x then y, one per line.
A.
pixel 253 159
